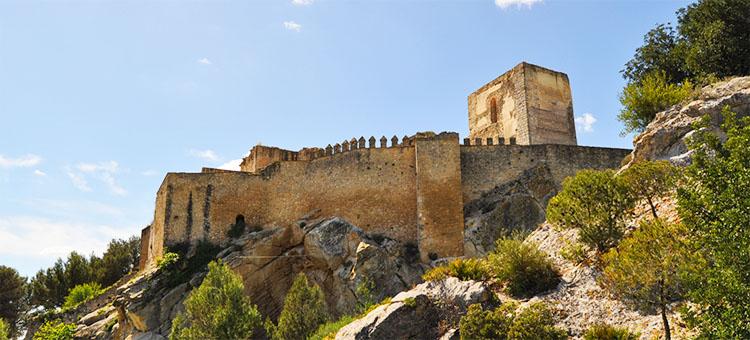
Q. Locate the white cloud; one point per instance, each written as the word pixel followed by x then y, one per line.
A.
pixel 103 171
pixel 231 165
pixel 37 237
pixel 518 3
pixel 302 2
pixel 204 61
pixel 292 26
pixel 208 155
pixel 39 173
pixel 20 162
pixel 586 122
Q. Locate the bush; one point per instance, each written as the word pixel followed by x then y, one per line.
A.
pixel 714 205
pixel 508 322
pixel 523 268
pixel 217 309
pixel 644 268
pixel 304 311
pixel 82 293
pixel 12 298
pixel 168 261
pixel 595 202
pixel 463 269
pixel 641 101
pixel 607 332
pixel 328 330
pixel 649 180
pixel 365 295
pixel 574 252
pixel 55 330
pixel 4 330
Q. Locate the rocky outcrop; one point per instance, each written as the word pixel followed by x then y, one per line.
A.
pixel 428 311
pixel 332 253
pixel 665 137
pixel 518 205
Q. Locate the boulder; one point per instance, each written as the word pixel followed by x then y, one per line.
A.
pixel 418 313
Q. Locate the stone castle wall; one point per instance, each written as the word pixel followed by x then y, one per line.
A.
pixel 412 193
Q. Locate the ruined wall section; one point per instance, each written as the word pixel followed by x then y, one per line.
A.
pixel 484 167
pixel 549 107
pixel 440 221
pixel 374 189
pixel 262 156
pixel 498 109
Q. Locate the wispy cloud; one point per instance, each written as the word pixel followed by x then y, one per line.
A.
pixel 25 161
pixel 518 3
pixel 302 2
pixel 102 171
pixel 149 173
pixel 292 26
pixel 204 61
pixel 586 122
pixel 207 155
pixel 39 173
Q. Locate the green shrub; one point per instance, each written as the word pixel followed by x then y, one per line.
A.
pixel 365 295
pixel 606 332
pixel 328 330
pixel 508 322
pixel 644 269
pixel 463 269
pixel 304 311
pixel 4 330
pixel 168 261
pixel 55 330
pixel 82 293
pixel 595 202
pixel 574 252
pixel 523 268
pixel 649 180
pixel 714 207
pixel 217 309
pixel 643 100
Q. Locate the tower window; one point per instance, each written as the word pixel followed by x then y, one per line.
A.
pixel 493 110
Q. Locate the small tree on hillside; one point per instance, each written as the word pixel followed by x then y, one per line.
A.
pixel 644 268
pixel 649 180
pixel 304 310
pixel 595 202
pixel 218 309
pixel 4 330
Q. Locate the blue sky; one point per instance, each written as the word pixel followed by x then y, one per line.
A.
pixel 99 99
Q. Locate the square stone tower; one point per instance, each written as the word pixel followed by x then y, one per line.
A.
pixel 529 104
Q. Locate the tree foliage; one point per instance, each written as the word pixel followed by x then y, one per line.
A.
pixel 711 41
pixel 595 202
pixel 50 287
pixel 508 322
pixel 642 100
pixel 217 309
pixel 82 293
pixel 463 269
pixel 715 207
pixel 304 311
pixel 649 180
pixel 523 268
pixel 55 330
pixel 12 292
pixel 4 330
pixel 645 268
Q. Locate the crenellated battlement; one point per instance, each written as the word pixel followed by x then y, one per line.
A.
pixel 411 188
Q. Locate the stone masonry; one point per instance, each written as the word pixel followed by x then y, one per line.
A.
pixel 411 189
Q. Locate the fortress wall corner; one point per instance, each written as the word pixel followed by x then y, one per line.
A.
pixel 549 107
pixel 440 220
pixel 145 245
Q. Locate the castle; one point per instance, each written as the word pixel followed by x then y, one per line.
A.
pixel 411 189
